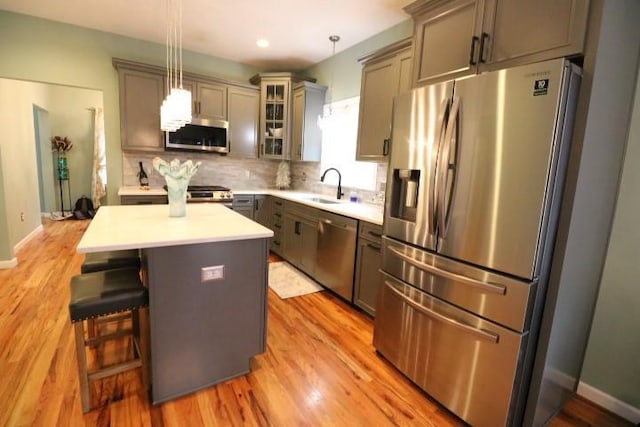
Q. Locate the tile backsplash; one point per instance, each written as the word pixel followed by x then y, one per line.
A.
pixel 235 173
pixel 305 176
pixel 246 174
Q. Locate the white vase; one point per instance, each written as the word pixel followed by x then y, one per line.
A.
pixel 177 202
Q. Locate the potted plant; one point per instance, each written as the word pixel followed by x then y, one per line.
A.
pixel 62 144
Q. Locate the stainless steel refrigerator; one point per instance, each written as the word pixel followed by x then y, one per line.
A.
pixel 475 181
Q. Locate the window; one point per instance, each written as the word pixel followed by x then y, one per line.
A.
pixel 339 138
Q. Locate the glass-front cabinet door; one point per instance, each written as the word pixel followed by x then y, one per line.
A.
pixel 274 134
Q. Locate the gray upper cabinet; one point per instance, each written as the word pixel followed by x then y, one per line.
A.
pixel 276 97
pixel 533 30
pixel 306 135
pixel 209 100
pixel 385 73
pixel 454 38
pixel 141 94
pixel 143 88
pixel 243 112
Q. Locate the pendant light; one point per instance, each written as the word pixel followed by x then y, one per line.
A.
pixel 175 110
pixel 333 39
pixel 322 120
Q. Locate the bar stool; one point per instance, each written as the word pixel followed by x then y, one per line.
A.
pixel 99 294
pixel 107 260
pixel 100 261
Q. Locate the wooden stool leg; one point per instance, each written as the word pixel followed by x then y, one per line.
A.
pixel 82 367
pixel 91 328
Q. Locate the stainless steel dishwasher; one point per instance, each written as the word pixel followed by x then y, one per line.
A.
pixel 336 254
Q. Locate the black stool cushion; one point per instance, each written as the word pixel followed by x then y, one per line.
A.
pixel 106 292
pixel 99 261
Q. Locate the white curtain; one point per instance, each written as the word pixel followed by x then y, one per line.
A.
pixel 99 175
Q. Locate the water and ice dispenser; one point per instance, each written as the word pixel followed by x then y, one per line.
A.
pixel 405 188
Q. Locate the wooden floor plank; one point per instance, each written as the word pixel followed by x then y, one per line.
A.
pixel 320 368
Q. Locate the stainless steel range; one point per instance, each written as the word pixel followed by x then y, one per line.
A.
pixel 209 194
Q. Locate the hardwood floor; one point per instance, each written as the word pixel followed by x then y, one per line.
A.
pixel 319 368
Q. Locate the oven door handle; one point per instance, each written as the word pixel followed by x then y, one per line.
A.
pixel 485 286
pixel 480 333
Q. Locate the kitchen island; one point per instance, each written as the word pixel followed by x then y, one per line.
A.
pixel 207 280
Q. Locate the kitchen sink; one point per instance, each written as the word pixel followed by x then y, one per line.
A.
pixel 321 200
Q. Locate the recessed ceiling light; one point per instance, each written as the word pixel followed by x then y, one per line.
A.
pixel 262 43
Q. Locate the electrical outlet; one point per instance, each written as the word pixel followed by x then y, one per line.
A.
pixel 21 216
pixel 247 174
pixel 215 272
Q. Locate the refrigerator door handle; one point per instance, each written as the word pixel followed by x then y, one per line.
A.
pixel 485 286
pixel 433 193
pixel 480 333
pixel 444 166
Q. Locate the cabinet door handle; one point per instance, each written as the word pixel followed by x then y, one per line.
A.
pixel 297 227
pixel 483 41
pixel 374 247
pixel 472 55
pixel 255 205
pixel 374 234
pixel 385 147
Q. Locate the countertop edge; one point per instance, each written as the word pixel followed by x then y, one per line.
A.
pixel 361 211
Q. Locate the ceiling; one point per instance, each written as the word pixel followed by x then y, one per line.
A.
pixel 298 30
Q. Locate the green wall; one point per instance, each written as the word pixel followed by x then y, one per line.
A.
pixel 345 67
pixel 45 51
pixel 6 251
pixel 612 362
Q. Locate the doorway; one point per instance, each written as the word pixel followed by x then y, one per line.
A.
pixel 42 130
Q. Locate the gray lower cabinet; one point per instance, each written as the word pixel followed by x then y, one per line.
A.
pixel 203 333
pixel 154 199
pixel 368 262
pixel 243 204
pixel 277 218
pixel 262 210
pixel 300 236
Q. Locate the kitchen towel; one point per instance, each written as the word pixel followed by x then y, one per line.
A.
pixel 288 282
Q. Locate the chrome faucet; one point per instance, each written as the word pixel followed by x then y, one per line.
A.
pixel 340 193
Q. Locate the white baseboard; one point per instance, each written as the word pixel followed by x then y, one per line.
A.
pixel 28 237
pixel 9 263
pixel 609 402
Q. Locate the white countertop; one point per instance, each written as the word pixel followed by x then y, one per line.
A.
pixel 362 211
pixel 149 226
pixel 141 191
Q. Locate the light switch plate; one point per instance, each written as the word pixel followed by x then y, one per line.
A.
pixel 215 272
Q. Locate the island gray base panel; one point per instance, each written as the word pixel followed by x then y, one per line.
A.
pixel 202 333
pixel 240 373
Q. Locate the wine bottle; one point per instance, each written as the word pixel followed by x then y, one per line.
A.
pixel 142 177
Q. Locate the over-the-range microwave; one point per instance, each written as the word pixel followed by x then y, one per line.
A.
pixel 202 135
